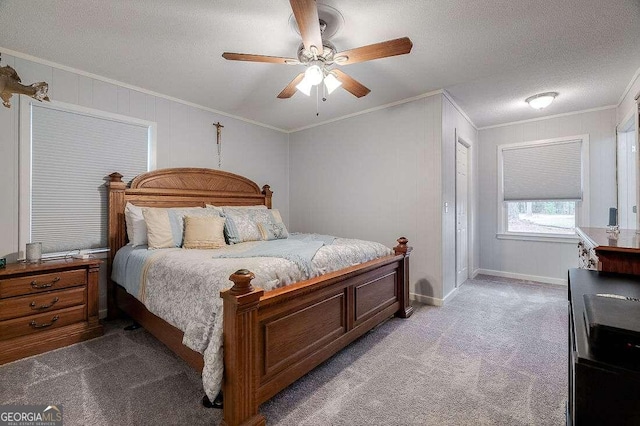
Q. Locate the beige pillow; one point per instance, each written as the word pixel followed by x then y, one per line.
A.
pixel 204 232
pixel 158 228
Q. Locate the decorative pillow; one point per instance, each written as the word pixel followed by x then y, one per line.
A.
pixel 242 223
pixel 273 230
pixel 176 220
pixel 203 232
pixel 158 228
pixel 174 225
pixel 136 226
pixel 276 215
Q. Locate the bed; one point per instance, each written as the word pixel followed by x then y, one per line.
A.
pixel 271 338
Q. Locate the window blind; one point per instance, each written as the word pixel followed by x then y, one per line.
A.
pixel 543 172
pixel 71 155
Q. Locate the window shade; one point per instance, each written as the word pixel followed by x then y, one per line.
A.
pixel 71 154
pixel 543 172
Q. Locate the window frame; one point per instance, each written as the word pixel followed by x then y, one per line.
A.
pixel 582 207
pixel 25 160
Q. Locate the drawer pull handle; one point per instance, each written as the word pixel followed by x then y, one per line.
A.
pixel 35 284
pixel 38 308
pixel 34 324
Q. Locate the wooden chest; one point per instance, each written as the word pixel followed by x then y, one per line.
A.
pixel 47 305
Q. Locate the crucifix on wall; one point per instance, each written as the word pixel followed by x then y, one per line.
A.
pixel 219 142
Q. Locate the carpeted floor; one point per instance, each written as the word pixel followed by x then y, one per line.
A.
pixel 494 355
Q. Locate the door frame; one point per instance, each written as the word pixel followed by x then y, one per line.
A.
pixel 470 207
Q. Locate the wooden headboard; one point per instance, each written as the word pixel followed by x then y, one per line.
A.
pixel 179 187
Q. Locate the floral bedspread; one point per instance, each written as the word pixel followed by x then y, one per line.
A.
pixel 183 288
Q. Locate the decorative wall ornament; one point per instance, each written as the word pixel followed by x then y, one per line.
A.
pixel 10 83
pixel 219 142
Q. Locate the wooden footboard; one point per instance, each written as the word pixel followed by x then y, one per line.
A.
pixel 272 339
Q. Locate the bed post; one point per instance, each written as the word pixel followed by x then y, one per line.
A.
pixel 117 237
pixel 266 190
pixel 241 378
pixel 406 309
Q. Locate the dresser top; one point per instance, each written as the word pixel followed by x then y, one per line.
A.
pixel 627 240
pixel 581 282
pixel 46 265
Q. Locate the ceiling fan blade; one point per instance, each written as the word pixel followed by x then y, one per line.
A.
pixel 290 90
pixel 306 13
pixel 350 85
pixel 399 46
pixel 259 58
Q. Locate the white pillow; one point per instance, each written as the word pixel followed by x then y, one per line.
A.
pixel 136 226
pixel 158 228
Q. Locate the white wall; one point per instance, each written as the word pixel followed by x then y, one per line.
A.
pixel 546 260
pixel 375 176
pixel 186 138
pixel 628 103
pixel 454 123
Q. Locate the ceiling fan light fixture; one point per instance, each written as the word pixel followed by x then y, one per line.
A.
pixel 541 100
pixel 331 83
pixel 304 86
pixel 314 75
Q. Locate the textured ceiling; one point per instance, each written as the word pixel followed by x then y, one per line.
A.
pixel 490 55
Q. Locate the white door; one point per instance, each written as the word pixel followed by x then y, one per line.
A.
pixel 462 201
pixel 627 180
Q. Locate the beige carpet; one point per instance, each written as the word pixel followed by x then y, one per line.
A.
pixel 494 355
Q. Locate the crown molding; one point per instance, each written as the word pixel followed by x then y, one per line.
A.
pixel 367 111
pixel 131 87
pixel 547 117
pixel 629 86
pixel 460 110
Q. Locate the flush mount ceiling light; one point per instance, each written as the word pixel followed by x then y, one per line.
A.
pixel 541 100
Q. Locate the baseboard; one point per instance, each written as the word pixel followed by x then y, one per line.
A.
pixel 434 301
pixel 475 273
pixel 516 276
pixel 450 295
pixel 102 313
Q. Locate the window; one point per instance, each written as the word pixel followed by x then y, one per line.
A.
pixel 66 152
pixel 542 217
pixel 543 188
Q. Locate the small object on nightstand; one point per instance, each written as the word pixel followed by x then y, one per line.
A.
pixel 3 262
pixel 34 252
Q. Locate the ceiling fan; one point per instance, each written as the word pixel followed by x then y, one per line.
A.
pixel 318 54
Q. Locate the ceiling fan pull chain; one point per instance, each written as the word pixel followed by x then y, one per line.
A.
pixel 317 100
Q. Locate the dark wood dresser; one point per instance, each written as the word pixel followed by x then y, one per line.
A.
pixel 601 391
pixel 47 305
pixel 609 252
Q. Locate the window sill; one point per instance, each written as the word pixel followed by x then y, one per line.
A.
pixel 548 238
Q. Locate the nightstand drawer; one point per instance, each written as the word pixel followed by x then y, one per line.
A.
pixel 45 321
pixel 16 307
pixel 42 282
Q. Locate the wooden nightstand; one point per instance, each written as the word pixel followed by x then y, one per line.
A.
pixel 47 305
